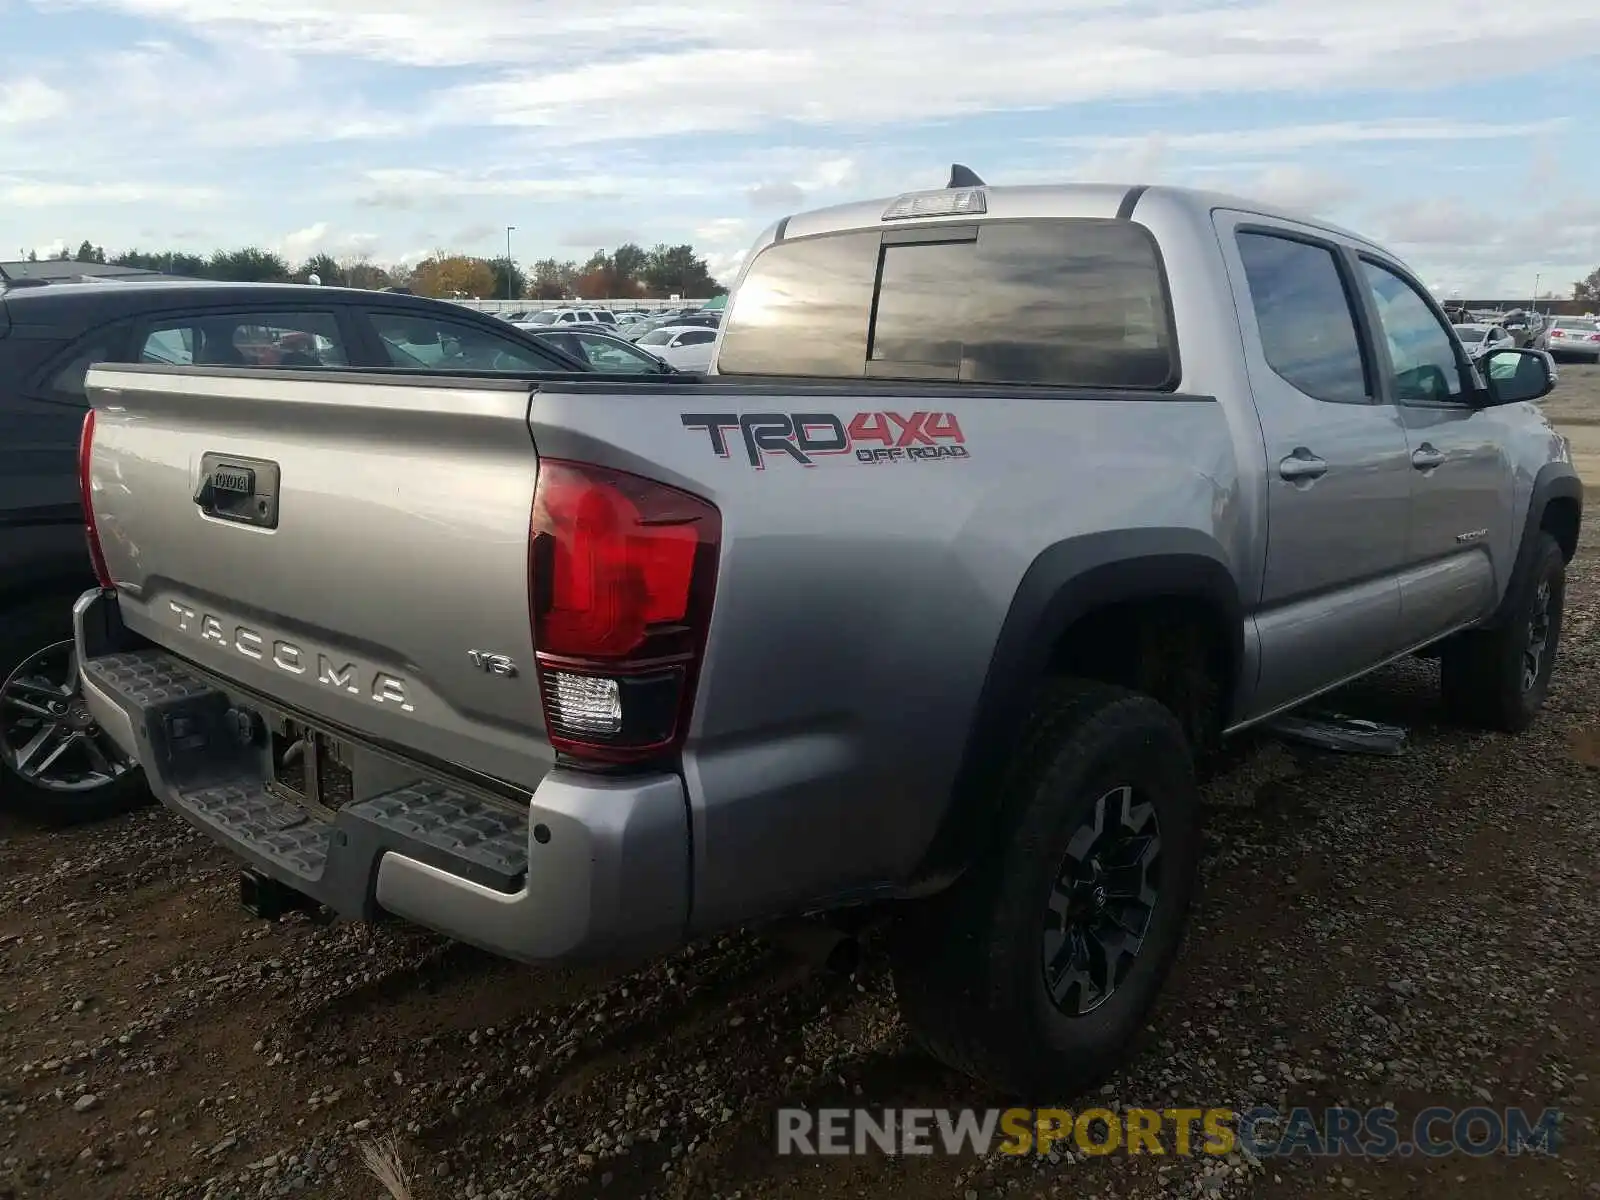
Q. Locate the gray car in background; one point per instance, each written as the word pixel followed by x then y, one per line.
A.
pixel 1576 338
pixel 911 607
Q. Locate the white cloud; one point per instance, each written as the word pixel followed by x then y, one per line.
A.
pixel 1128 160
pixel 723 230
pixel 723 243
pixel 776 193
pixel 401 119
pixel 1305 189
pixel 1438 221
pixel 1277 140
pixel 830 173
pixel 650 67
pixel 321 238
pixel 724 264
pixel 1482 252
pixel 42 193
pixel 303 243
pixel 405 186
pixel 30 101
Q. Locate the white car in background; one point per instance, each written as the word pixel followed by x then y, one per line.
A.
pixel 1481 339
pixel 683 347
pixel 566 316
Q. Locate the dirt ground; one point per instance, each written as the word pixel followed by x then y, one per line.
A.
pixel 1414 930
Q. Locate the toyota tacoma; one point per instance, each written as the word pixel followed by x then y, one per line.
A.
pixel 999 509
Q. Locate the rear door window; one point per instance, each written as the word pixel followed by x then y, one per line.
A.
pixel 66 379
pixel 1305 317
pixel 262 339
pixel 1076 302
pixel 422 341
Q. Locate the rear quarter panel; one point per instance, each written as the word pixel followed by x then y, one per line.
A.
pixel 858 603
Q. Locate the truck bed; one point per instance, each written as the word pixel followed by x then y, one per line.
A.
pixel 874 537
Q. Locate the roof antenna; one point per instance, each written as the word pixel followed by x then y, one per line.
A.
pixel 963 177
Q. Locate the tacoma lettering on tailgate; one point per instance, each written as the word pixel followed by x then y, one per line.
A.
pixel 376 686
pixel 872 437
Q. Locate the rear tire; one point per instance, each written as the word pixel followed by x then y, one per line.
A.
pixel 88 776
pixel 1018 974
pixel 1498 678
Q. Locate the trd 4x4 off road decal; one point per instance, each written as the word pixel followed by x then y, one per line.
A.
pixel 872 437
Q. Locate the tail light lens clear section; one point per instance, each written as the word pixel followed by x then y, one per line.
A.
pixel 622 572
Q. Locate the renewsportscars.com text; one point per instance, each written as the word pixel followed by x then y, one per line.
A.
pixel 1258 1132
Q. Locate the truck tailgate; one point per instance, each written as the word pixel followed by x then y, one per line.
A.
pixel 342 549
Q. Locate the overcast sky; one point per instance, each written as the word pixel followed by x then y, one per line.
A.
pixel 1461 133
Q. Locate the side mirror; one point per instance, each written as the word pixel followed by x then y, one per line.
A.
pixel 1516 376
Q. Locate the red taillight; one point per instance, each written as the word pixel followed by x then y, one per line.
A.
pixel 621 576
pixel 97 557
pixel 1557 333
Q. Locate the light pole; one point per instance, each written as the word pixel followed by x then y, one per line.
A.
pixel 1535 305
pixel 509 267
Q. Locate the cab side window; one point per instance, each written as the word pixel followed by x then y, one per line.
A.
pixel 1308 328
pixel 1423 351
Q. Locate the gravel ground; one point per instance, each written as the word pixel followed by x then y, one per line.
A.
pixel 1416 930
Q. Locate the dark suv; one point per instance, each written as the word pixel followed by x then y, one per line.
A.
pixel 54 762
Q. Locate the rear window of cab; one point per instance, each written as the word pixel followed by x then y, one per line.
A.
pixel 1080 302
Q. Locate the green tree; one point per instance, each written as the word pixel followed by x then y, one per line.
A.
pixel 168 262
pixel 453 277
pixel 678 269
pixel 509 281
pixel 552 279
pixel 362 273
pixel 628 263
pixel 248 265
pixel 1587 289
pixel 626 271
pixel 325 267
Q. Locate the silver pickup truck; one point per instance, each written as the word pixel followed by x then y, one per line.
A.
pixel 1000 505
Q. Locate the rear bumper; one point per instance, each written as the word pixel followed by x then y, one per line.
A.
pixel 1573 348
pixel 586 866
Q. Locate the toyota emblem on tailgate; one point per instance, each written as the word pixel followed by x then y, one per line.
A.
pixel 241 490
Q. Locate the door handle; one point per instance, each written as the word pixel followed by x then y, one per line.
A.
pixel 1302 464
pixel 1425 457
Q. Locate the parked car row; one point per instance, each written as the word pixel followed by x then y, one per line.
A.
pixel 628 323
pixel 601 349
pixel 696 318
pixel 682 339
pixel 1564 338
